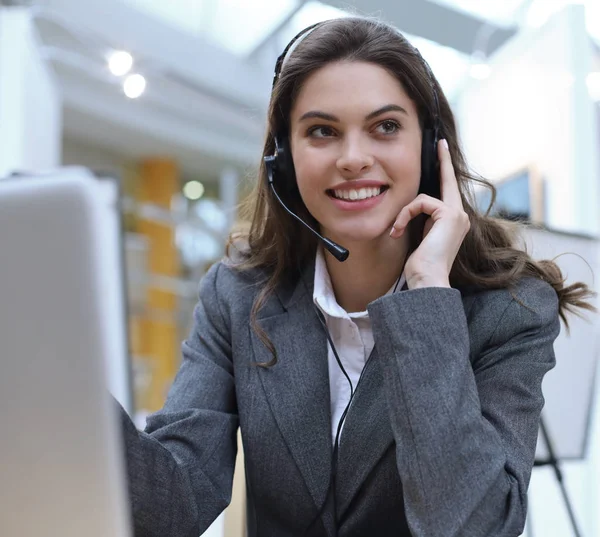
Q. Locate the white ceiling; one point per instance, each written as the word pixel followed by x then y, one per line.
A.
pixel 209 63
pixel 508 13
pixel 504 13
pixel 447 32
pixel 239 25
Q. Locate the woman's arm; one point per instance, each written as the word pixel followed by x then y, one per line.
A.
pixel 181 468
pixel 466 432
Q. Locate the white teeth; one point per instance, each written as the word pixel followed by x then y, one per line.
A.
pixel 357 194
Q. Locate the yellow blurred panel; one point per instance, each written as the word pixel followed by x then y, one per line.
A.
pixel 137 342
pixel 162 256
pixel 163 337
pixel 160 180
pixel 155 336
pixel 161 300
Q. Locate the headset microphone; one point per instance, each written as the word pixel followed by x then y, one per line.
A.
pixel 339 252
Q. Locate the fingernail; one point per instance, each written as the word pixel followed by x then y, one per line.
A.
pixel 396 232
pixel 445 144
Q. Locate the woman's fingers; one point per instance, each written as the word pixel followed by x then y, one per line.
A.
pixel 421 204
pixel 450 207
pixel 436 209
pixel 449 183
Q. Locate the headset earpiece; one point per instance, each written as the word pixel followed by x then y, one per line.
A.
pixel 285 162
pixel 280 166
pixel 430 165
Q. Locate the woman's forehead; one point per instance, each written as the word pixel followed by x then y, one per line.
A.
pixel 350 87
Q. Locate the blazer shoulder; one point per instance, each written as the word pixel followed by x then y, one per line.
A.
pixel 229 285
pixel 499 313
pixel 533 294
pixel 536 295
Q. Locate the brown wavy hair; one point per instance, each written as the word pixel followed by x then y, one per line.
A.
pixel 276 243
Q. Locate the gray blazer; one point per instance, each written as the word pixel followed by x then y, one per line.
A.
pixel 439 441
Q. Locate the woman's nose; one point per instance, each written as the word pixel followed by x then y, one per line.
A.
pixel 355 157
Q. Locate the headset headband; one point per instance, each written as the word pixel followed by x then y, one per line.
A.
pixel 281 58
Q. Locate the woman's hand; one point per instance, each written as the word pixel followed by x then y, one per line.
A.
pixel 429 265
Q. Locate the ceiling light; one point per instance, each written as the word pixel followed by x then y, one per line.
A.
pixel 593 84
pixel 120 63
pixel 480 71
pixel 134 86
pixel 193 190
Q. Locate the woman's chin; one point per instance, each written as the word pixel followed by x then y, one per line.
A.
pixel 359 234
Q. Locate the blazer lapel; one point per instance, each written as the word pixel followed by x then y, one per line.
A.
pixel 297 387
pixel 366 436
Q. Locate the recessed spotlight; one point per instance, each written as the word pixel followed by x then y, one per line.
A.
pixel 134 86
pixel 193 190
pixel 120 63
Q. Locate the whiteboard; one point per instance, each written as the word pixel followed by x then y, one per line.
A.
pixel 569 387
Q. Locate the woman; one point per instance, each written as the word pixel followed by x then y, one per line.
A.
pixel 395 393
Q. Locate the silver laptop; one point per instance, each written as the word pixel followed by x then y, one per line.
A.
pixel 61 467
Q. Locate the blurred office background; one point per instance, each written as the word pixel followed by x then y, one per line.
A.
pixel 168 99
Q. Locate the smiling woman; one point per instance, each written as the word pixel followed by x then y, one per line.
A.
pixel 396 393
pixel 354 101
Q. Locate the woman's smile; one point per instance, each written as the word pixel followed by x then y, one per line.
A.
pixel 357 195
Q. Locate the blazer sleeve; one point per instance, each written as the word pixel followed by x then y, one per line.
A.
pixel 180 469
pixel 466 426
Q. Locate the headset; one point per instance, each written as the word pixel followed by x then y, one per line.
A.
pixel 280 165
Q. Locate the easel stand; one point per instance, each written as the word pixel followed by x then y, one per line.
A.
pixel 553 462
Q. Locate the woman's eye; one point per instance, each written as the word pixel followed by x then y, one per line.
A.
pixel 321 132
pixel 388 127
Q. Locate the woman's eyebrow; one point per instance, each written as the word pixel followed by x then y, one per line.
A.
pixel 317 114
pixel 385 109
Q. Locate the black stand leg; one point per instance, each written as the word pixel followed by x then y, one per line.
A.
pixel 553 461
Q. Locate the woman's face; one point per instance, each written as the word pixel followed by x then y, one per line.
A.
pixel 356 144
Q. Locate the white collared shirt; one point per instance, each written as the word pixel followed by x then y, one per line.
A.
pixel 352 336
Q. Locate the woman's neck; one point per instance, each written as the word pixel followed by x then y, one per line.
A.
pixel 369 272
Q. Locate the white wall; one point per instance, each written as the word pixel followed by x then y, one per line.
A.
pixel 30 104
pixel 535 111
